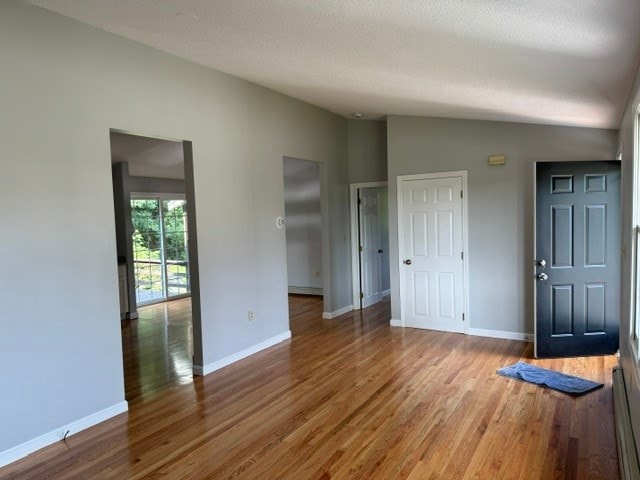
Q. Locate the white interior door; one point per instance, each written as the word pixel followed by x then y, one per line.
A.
pixel 370 252
pixel 431 253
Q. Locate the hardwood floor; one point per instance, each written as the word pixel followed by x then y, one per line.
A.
pixel 158 349
pixel 353 398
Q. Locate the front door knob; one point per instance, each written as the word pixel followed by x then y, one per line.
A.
pixel 407 261
pixel 542 276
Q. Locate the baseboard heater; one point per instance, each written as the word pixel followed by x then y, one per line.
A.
pixel 305 290
pixel 627 453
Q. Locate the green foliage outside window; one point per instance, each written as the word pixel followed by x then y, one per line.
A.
pixel 146 229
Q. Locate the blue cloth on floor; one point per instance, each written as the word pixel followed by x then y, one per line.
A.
pixel 548 378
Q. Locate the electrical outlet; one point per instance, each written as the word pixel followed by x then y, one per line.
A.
pixel 251 315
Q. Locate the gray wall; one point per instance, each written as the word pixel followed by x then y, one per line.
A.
pixel 368 163
pixel 500 201
pixel 629 364
pixel 121 205
pixel 155 185
pixel 303 223
pixel 124 230
pixel 367 151
pixel 65 85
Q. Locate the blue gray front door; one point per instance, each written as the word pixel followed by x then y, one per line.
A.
pixel 577 258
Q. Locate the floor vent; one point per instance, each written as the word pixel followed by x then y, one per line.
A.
pixel 627 453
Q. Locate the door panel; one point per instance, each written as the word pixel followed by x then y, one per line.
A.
pixel 562 310
pixel 578 236
pixel 419 226
pixel 562 236
pixel 444 234
pixel 594 308
pixel 421 303
pixel 370 261
pixel 595 235
pixel 431 250
pixel 446 295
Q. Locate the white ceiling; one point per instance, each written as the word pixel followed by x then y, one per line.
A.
pixel 568 62
pixel 148 157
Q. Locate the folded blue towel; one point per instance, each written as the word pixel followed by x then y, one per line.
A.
pixel 548 378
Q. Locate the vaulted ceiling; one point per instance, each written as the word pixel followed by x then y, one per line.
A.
pixel 567 62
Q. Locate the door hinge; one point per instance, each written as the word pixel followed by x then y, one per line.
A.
pixel 359 201
pixel 361 295
pixel 463 317
pixel 461 194
pixel 461 255
pixel 360 248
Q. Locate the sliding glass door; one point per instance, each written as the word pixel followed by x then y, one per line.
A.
pixel 174 215
pixel 160 255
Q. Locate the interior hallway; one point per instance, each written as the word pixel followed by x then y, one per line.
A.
pixel 346 398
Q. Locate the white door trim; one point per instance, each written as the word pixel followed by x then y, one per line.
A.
pixel 355 254
pixel 465 237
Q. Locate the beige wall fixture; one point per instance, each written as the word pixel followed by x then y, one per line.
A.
pixel 497 160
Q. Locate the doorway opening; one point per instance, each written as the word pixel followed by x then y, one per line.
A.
pixel 154 208
pixel 369 243
pixel 303 228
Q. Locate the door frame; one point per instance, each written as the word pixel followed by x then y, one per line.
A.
pixel 465 238
pixel 534 254
pixel 194 269
pixel 325 239
pixel 355 254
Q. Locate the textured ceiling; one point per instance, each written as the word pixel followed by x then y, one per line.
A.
pixel 567 62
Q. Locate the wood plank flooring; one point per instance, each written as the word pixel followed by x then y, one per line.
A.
pixel 352 398
pixel 158 349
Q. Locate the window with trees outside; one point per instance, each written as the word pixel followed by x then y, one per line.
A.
pixel 160 249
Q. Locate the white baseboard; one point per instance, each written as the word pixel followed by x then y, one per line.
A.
pixel 482 332
pixel 337 313
pixel 386 293
pixel 305 290
pixel 24 449
pixel 223 362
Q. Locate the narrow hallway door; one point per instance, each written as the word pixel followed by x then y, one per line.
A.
pixel 370 246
